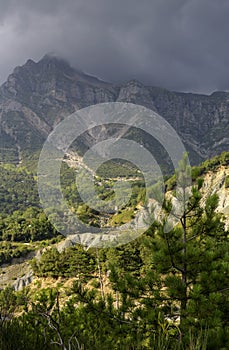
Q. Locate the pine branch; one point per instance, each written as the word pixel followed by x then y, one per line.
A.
pixel 171 257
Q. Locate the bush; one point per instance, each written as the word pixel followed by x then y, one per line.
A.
pixel 227 182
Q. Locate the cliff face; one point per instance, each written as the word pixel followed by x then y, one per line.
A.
pixel 215 182
pixel 37 96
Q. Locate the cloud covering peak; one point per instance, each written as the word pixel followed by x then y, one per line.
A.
pixel 177 44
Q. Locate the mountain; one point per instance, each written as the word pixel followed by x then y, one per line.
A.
pixel 37 96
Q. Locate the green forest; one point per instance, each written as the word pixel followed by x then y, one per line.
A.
pixel 162 291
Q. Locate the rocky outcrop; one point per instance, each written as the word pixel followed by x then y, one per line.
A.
pixel 23 281
pixel 18 273
pixel 214 182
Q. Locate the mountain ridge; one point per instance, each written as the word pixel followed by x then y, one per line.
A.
pixel 38 95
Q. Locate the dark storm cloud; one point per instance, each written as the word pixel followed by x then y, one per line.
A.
pixel 178 44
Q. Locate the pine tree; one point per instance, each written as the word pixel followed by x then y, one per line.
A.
pixel 191 260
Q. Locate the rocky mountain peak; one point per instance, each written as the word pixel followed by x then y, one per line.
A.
pixel 46 75
pixel 38 95
pixel 55 63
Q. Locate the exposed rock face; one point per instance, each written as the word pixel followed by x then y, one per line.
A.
pixel 18 273
pixel 214 182
pixel 23 281
pixel 37 96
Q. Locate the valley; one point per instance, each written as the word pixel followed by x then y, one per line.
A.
pixel 161 288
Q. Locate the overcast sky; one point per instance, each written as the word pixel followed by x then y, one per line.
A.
pixel 178 44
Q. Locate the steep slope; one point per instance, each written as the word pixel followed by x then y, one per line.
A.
pixel 216 182
pixel 215 175
pixel 38 95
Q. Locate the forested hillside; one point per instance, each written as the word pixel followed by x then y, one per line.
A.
pixel 164 290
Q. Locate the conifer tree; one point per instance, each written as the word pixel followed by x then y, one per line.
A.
pixel 191 260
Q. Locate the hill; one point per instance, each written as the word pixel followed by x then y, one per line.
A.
pixel 128 297
pixel 32 231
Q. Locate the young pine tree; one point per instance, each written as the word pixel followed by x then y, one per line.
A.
pixel 191 261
